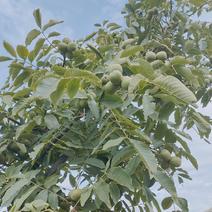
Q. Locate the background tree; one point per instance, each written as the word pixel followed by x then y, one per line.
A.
pixel 109 113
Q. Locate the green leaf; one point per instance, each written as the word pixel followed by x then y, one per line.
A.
pixel 130 51
pixel 22 93
pixel 78 73
pixel 51 122
pixel 53 200
pixel 124 154
pixel 102 190
pixel 173 87
pixel 112 101
pixel 93 106
pixel 144 68
pixel 166 182
pixel 58 93
pixel 133 165
pixel 37 16
pixel 24 129
pixel 42 195
pixel 22 51
pixel 90 36
pixel 53 34
pixel 50 24
pixel 36 151
pixel 31 36
pixel 11 193
pixel 167 203
pixel 179 60
pixel 192 159
pixel 9 48
pixel 115 192
pixel 73 87
pixel 96 51
pixel 46 86
pixel 38 46
pixel 149 106
pixel 112 143
pixel 3 58
pixel 146 155
pixel 95 162
pixel 18 202
pixel 120 176
pixel 182 203
pixel 85 196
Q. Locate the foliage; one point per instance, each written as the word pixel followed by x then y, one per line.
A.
pixel 110 113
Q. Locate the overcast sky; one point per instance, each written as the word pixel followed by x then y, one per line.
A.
pixel 80 15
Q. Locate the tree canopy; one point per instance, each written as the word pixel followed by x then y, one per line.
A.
pixel 109 115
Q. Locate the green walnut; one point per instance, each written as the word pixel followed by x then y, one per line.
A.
pixel 62 48
pixel 2 158
pixel 104 79
pixel 113 67
pixel 82 103
pixel 71 47
pixel 157 64
pixel 109 88
pixel 66 40
pixel 189 45
pixel 161 55
pixel 150 56
pixel 115 77
pixel 165 165
pixel 125 82
pixel 166 155
pixel 175 161
pixel 74 195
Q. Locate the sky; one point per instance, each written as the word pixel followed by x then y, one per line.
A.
pixel 80 16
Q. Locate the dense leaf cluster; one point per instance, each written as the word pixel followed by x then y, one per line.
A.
pixel 109 114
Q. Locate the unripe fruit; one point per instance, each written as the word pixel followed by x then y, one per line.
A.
pixel 74 194
pixel 66 40
pixel 175 161
pixel 165 164
pixel 71 47
pixel 113 67
pixel 161 55
pixel 82 103
pixel 104 79
pixel 189 45
pixel 62 48
pixel 150 56
pixel 165 154
pixel 125 82
pixel 109 88
pixel 115 77
pixel 157 64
